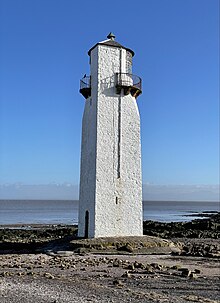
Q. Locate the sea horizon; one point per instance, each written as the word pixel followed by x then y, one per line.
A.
pixel 32 211
pixel 145 200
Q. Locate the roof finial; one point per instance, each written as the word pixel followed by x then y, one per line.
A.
pixel 111 36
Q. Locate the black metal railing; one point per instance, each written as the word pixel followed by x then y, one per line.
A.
pixel 129 83
pixel 85 82
pixel 125 79
pixel 85 86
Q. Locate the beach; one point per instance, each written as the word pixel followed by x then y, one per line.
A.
pixel 48 264
pixel 104 278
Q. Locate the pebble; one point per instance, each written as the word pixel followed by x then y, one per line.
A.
pixel 30 273
pixel 193 275
pixel 149 268
pixel 118 282
pixel 186 273
pixel 130 266
pixel 64 253
pixel 156 266
pixel 48 275
pixel 126 275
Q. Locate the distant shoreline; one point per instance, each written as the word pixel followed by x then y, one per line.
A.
pixel 205 215
pixel 77 200
pixel 65 212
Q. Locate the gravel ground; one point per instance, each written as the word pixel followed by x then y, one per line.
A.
pixel 68 277
pixel 42 264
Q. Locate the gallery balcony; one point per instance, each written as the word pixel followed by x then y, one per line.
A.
pixel 130 84
pixel 85 86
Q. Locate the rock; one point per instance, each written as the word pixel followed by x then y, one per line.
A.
pixel 156 266
pixel 149 268
pixel 126 275
pixel 185 272
pixel 136 264
pixel 199 228
pixel 193 275
pixel 115 263
pixel 130 266
pixel 64 253
pixel 175 251
pixel 118 282
pixel 50 253
pixel 128 248
pixel 62 266
pixel 175 267
pixel 48 275
pixel 139 265
pixel 5 274
pixel 197 271
pixel 81 251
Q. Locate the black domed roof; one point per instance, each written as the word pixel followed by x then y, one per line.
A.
pixel 111 42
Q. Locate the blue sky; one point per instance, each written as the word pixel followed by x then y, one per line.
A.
pixel 43 55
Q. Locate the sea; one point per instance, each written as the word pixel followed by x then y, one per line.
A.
pixel 66 212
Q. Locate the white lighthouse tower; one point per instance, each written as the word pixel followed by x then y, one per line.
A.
pixel 110 201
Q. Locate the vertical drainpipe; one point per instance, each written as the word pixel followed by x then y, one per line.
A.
pixel 122 70
pixel 118 189
pixel 119 123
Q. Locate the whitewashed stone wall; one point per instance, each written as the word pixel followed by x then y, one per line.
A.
pixel 111 185
pixel 88 155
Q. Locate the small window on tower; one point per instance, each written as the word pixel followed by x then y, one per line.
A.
pixel 129 62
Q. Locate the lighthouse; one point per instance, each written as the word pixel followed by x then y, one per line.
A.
pixel 110 199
